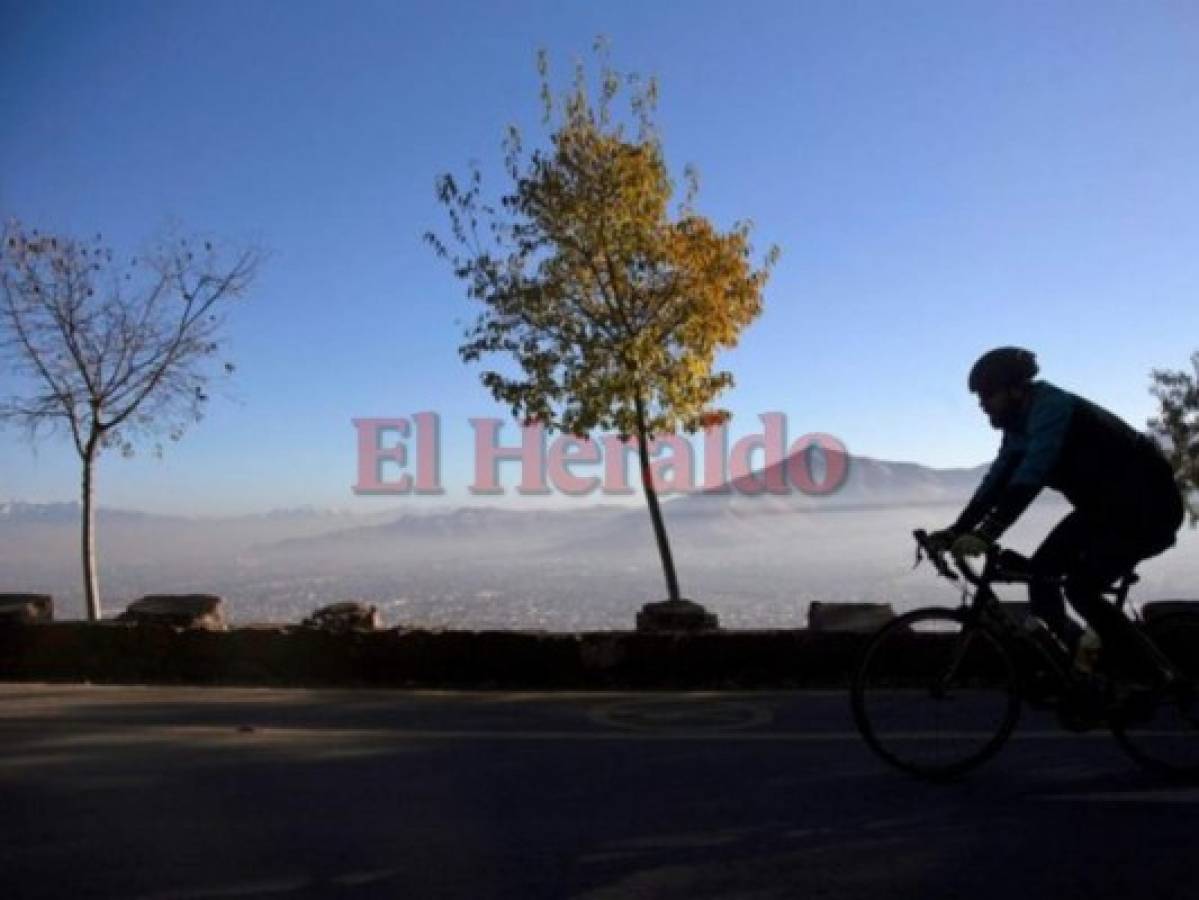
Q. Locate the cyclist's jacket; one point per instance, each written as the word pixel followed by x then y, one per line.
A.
pixel 1104 467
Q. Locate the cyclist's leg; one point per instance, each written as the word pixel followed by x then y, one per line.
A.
pixel 1056 556
pixel 1109 555
pixel 1121 646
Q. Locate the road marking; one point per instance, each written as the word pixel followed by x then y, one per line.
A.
pixel 1164 795
pixel 659 715
pixel 230 737
pixel 282 885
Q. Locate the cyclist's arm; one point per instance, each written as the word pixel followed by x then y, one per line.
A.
pixel 1048 424
pixel 992 487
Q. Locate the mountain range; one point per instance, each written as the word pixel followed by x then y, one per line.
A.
pixel 869 483
pixel 307 537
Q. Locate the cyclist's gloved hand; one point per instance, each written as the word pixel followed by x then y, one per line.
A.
pixel 971 544
pixel 942 540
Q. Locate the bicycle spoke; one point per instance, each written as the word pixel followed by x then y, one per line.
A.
pixel 1160 729
pixel 933 696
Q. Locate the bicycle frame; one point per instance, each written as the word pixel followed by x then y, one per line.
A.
pixel 1007 567
pixel 937 691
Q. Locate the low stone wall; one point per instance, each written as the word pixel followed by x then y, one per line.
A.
pixel 117 652
pixel 148 651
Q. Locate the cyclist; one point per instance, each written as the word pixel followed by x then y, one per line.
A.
pixel 1127 506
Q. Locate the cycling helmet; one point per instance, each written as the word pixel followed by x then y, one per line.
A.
pixel 1001 368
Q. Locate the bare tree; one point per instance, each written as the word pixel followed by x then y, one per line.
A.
pixel 112 351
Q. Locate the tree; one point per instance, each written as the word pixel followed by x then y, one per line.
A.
pixel 1177 427
pixel 111 352
pixel 613 310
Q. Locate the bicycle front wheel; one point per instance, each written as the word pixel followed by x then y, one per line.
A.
pixel 935 694
pixel 1160 729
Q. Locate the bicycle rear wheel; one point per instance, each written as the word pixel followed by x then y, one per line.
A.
pixel 935 694
pixel 1160 729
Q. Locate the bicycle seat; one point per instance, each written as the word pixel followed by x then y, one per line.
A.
pixel 1016 567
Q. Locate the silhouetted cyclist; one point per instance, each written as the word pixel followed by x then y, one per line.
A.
pixel 1127 506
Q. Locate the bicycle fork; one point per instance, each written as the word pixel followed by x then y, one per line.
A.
pixel 940 687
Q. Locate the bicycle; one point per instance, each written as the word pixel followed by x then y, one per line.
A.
pixel 938 691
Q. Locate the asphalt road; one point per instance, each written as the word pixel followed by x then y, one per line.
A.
pixel 156 793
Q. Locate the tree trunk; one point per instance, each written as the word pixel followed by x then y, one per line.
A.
pixel 87 544
pixel 651 497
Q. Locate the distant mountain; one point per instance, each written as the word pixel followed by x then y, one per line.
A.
pixel 308 536
pixel 708 518
pixel 873 482
pixel 868 484
pixel 466 530
pixel 64 512
pixel 17 511
pixel 33 531
pixel 302 513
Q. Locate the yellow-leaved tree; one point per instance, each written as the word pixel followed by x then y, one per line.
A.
pixel 613 308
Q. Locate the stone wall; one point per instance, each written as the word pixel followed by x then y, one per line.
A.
pixel 155 649
pixel 117 652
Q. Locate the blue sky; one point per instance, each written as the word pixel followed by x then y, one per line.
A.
pixel 941 177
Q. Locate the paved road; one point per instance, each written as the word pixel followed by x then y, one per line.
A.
pixel 157 793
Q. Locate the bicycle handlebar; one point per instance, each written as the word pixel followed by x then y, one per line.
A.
pixel 936 555
pixel 999 565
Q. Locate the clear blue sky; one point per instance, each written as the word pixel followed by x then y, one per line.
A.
pixel 941 177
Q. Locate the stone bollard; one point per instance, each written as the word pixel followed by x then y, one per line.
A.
pixel 351 615
pixel 202 611
pixel 675 615
pixel 26 609
pixel 1155 609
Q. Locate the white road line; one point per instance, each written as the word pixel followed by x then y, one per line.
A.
pixel 1165 795
pixel 232 736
